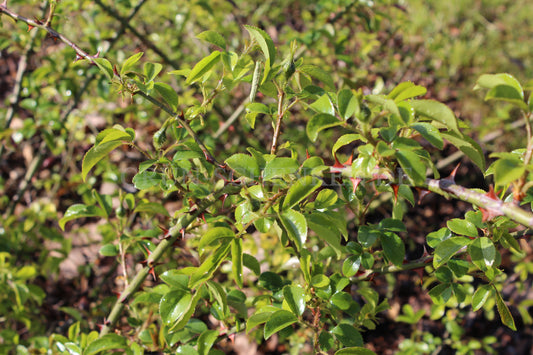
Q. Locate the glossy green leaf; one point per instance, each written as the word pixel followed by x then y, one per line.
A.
pixel 295 298
pixel 213 37
pixel 106 343
pixel 130 63
pixel 436 111
pixel 412 165
pixel 481 296
pixel 507 170
pixel 393 247
pixel 202 67
pixel 320 281
pixel 392 225
pixel 279 167
pixel 319 74
pixel 342 300
pixel 209 266
pixel 80 211
pixel 430 133
pixel 325 198
pixel 406 90
pixel 503 310
pixel 488 81
pixel 175 279
pixel 367 236
pixel 347 335
pixel 147 179
pixel 186 350
pixel 326 341
pixel 105 67
pixel 278 320
pixel 351 265
pixel 216 236
pixel 206 341
pixel 462 227
pixel 244 165
pixel 168 93
pixel 344 140
pixel 251 263
pixel 348 104
pixel 441 294
pixel 302 188
pixel 323 105
pixel 109 250
pixel 151 208
pixel 296 226
pixel 325 230
pixel 184 319
pixel 237 261
pixel 256 319
pixel 468 146
pixel 482 252
pixel 448 248
pixel 508 94
pixel 320 122
pixel 356 350
pixel 151 70
pixel 267 47
pixel 173 305
pixel 106 142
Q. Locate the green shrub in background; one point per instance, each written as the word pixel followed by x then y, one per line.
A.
pixel 269 237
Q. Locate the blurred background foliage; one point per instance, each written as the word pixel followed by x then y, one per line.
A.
pixel 364 44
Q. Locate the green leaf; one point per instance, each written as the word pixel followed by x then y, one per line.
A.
pixel 436 111
pixel 342 300
pixel 295 298
pixel 392 225
pixel 505 314
pixel 151 208
pixel 323 105
pixel 344 140
pixel 202 67
pixel 462 227
pixel 105 67
pixel 151 70
pixel 251 263
pixel 508 94
pixel 175 279
pixel 320 122
pixel 174 305
pixel 302 188
pixel 326 230
pixel 351 265
pixel 147 179
pixel 367 236
pixel 168 94
pixel 483 253
pixel 257 319
pixel 105 343
pixel 507 170
pixel 412 165
pixel 216 236
pixel 106 141
pixel 406 90
pixel 481 296
pixel 347 335
pixel 430 133
pixel 325 198
pixel 80 211
pixel 319 74
pixel 447 248
pixel 320 281
pixel 393 247
pixel 348 104
pixel 237 261
pixel 279 167
pixel 295 225
pixel 468 146
pixel 441 294
pixel 244 165
pixel 357 350
pixel 267 47
pixel 109 250
pixel 209 266
pixel 206 341
pixel 184 319
pixel 270 281
pixel 213 37
pixel 278 320
pixel 129 63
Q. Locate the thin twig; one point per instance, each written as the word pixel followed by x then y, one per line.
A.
pixel 277 129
